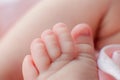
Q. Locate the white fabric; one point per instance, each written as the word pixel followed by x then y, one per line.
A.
pixel 110 65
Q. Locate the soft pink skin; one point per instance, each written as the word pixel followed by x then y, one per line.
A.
pixel 102 75
pixel 16 10
pixel 40 18
pixel 61 55
pixel 112 24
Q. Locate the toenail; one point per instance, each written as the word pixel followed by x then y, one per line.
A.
pixel 60 25
pixel 49 31
pixel 85 30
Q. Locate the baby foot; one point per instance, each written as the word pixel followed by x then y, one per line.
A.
pixel 109 62
pixel 60 56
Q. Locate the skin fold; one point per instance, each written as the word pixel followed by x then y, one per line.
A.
pixel 103 15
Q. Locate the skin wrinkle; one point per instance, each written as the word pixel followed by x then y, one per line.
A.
pixel 109 28
pixel 101 22
pixel 39 31
pixel 107 41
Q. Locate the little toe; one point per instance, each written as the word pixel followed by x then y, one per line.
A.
pixel 82 35
pixel 29 70
pixel 40 55
pixel 51 44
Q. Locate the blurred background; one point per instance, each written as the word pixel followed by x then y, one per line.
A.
pixel 11 11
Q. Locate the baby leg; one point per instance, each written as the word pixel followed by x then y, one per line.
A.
pixel 15 45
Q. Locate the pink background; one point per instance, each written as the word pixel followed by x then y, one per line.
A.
pixel 11 11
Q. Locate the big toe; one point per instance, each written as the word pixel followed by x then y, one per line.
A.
pixel 82 35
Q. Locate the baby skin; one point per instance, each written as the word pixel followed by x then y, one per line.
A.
pixel 62 55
